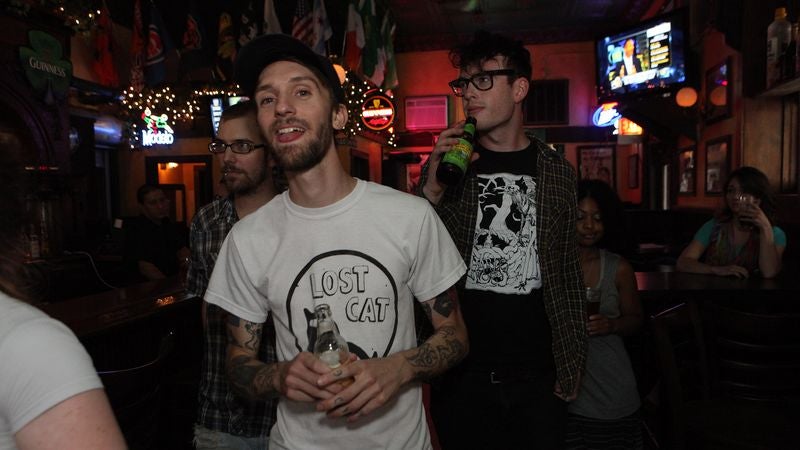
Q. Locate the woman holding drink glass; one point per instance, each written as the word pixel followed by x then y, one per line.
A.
pixel 605 414
pixel 741 240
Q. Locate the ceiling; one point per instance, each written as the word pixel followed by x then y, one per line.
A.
pixel 440 24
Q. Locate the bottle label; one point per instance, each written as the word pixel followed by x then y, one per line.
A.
pixel 459 155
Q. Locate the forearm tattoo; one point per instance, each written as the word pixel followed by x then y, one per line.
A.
pixel 249 377
pixel 443 350
pixel 437 354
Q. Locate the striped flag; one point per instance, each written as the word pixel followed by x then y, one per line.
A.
pixel 226 48
pixel 271 23
pixel 373 62
pixel 354 37
pixel 137 49
pixel 303 23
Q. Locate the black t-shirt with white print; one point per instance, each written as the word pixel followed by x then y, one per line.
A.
pixel 502 303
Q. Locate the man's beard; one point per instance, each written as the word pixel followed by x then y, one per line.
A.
pixel 245 184
pixel 294 158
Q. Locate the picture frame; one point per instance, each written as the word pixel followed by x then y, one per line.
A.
pixel 597 162
pixel 633 171
pixel 717 164
pixel 687 171
pixel 718 92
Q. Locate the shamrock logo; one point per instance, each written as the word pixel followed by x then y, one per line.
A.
pixel 44 63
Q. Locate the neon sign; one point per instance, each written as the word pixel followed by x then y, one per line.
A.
pixel 377 112
pixel 156 130
pixel 605 115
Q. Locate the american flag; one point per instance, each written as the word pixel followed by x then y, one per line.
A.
pixel 303 23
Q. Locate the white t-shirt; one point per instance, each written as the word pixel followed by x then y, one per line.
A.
pixel 368 256
pixel 41 364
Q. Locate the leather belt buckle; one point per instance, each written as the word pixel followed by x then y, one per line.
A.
pixel 494 379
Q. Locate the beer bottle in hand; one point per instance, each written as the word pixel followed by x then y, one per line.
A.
pixel 454 162
pixel 330 346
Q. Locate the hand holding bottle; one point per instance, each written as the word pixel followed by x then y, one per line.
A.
pixel 433 188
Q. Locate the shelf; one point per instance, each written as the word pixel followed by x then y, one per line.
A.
pixel 784 88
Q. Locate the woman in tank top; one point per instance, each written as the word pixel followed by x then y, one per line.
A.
pixel 605 414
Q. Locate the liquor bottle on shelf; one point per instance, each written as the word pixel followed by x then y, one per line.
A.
pixel 455 161
pixel 779 33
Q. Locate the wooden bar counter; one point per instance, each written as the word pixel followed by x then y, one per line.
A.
pixel 98 313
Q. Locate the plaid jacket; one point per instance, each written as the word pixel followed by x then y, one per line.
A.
pixel 219 408
pixel 562 279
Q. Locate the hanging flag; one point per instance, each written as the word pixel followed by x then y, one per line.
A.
pixel 226 48
pixel 302 23
pixel 271 23
pixel 373 64
pixel 322 28
pixel 248 28
pixel 354 37
pixel 137 49
pixel 388 29
pixel 158 44
pixel 193 50
pixel 103 64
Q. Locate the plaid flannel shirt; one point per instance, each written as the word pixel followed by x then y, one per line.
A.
pixel 219 408
pixel 562 279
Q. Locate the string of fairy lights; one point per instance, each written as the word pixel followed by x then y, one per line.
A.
pixel 182 108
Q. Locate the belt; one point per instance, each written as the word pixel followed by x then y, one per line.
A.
pixel 508 375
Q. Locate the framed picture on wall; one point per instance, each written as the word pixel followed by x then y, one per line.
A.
pixel 597 163
pixel 719 91
pixel 687 171
pixel 633 171
pixel 717 164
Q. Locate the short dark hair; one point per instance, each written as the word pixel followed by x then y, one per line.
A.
pixel 145 189
pixel 755 183
pixel 239 110
pixel 611 212
pixel 486 45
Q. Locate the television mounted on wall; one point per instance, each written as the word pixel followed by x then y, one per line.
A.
pixel 219 104
pixel 649 57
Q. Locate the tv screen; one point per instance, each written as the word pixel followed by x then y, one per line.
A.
pixel 648 57
pixel 219 104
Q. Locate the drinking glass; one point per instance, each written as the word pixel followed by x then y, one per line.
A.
pixel 592 301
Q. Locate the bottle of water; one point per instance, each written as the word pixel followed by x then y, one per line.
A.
pixel 779 34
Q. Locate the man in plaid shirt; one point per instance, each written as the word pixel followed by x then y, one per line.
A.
pixel 225 420
pixel 512 217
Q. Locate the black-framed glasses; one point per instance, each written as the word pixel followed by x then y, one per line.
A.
pixel 241 147
pixel 483 81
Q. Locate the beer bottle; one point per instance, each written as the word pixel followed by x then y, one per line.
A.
pixel 454 163
pixel 330 346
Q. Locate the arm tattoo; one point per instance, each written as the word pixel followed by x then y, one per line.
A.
pixel 432 358
pixel 446 302
pixel 427 309
pixel 248 376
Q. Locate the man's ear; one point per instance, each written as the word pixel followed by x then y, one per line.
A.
pixel 521 86
pixel 339 117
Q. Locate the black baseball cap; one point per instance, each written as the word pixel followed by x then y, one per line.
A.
pixel 269 48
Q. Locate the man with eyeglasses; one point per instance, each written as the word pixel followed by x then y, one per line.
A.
pixel 513 218
pixel 225 420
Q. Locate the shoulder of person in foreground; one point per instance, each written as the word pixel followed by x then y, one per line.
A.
pixel 51 394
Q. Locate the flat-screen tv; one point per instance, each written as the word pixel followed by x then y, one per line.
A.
pixel 219 104
pixel 648 57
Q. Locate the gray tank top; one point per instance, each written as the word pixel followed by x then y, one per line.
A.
pixel 608 387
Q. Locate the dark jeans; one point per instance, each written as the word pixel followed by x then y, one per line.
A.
pixel 471 412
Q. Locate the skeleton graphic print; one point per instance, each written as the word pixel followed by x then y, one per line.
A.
pixel 504 255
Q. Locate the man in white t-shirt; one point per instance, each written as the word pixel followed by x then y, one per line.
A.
pixel 366 250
